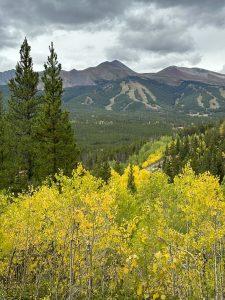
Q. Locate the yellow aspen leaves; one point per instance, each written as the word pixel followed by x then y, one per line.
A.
pixel 88 240
pixel 139 290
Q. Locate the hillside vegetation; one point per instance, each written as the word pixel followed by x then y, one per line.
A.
pixel 81 239
pixel 205 149
pixel 141 217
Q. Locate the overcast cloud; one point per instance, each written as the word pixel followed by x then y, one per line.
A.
pixel 146 35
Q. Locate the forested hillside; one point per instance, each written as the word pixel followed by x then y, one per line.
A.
pixel 204 148
pixel 136 213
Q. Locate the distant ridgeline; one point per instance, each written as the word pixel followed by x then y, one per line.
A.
pixel 112 86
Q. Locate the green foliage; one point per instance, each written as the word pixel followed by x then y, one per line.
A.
pixel 23 109
pixel 205 151
pixel 36 136
pixel 3 150
pixel 148 149
pixel 56 148
pixel 102 170
pixel 118 167
pixel 130 183
pixel 175 98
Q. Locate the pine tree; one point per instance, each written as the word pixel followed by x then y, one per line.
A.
pixel 1 131
pixel 130 183
pixel 23 108
pixel 118 167
pixel 3 148
pixel 57 146
pixel 102 170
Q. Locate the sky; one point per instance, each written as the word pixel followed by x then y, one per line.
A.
pixel 146 35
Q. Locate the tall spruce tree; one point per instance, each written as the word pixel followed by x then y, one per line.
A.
pixel 1 131
pixel 3 148
pixel 23 108
pixel 58 150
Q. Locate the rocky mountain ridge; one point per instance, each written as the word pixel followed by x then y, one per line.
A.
pixel 114 70
pixel 112 86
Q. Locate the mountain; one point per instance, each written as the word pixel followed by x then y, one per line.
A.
pixel 112 86
pixel 175 74
pixel 141 94
pixel 105 71
pixel 111 71
pixel 6 76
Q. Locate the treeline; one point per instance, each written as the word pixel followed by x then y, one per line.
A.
pixel 119 153
pixel 203 146
pixel 82 239
pixel 100 163
pixel 36 138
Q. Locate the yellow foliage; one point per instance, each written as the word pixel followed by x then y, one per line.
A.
pixel 86 238
pixel 141 177
pixel 139 290
pixel 155 296
pixel 153 158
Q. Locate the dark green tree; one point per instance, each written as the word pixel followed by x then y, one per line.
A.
pixel 102 170
pixel 3 147
pixel 1 131
pixel 130 183
pixel 23 109
pixel 118 167
pixel 203 147
pixel 57 147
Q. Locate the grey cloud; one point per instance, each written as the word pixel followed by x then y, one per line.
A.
pixel 195 58
pixel 156 32
pixel 202 4
pixel 223 70
pixel 200 12
pixel 8 36
pixel 160 62
pixel 65 12
pixel 161 27
pixel 37 17
pixel 162 42
pixel 123 54
pixel 5 63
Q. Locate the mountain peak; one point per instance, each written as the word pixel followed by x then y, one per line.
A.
pixel 178 74
pixel 114 64
pixel 118 63
pixel 116 70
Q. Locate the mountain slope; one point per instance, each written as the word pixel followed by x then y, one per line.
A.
pixel 179 74
pixel 112 86
pixel 105 71
pixel 6 76
pixel 138 94
pixel 108 71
